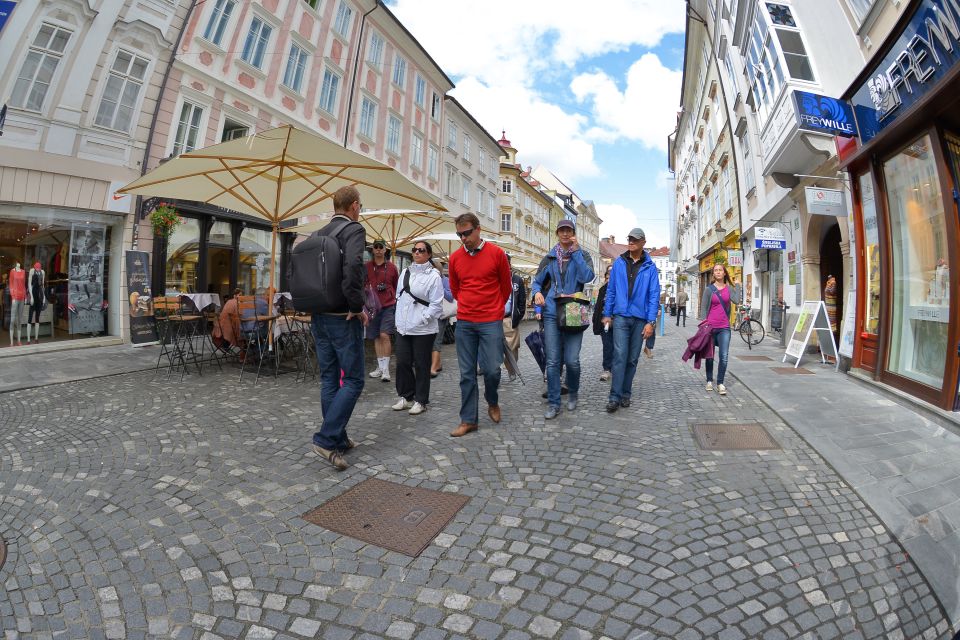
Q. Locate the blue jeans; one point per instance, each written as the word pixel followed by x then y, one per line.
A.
pixel 627 342
pixel 721 343
pixel 478 343
pixel 607 338
pixel 339 347
pixel 563 348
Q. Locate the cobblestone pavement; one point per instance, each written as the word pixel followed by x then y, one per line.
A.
pixel 136 508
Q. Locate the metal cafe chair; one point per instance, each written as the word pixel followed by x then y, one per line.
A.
pixel 255 328
pixel 179 331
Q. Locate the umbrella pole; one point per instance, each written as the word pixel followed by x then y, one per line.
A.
pixel 270 288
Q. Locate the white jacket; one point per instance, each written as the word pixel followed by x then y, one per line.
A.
pixel 413 318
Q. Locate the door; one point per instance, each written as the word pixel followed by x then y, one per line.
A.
pixel 219 267
pixel 870 276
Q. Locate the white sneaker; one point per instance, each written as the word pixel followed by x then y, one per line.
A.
pixel 402 404
pixel 376 373
pixel 709 386
pixel 605 376
pixel 385 376
pixel 722 390
pixel 417 409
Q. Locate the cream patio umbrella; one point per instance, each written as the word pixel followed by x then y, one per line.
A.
pixel 279 174
pixel 396 227
pixel 444 244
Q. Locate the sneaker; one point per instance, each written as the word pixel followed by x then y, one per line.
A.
pixel 722 390
pixel 376 373
pixel 402 404
pixel 571 402
pixel 709 386
pixel 625 402
pixel 385 376
pixel 551 412
pixel 612 406
pixel 605 376
pixel 417 409
pixel 333 457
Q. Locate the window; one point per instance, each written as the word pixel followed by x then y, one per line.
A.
pixel 465 189
pixel 506 186
pixel 399 71
pixel 452 190
pixel 183 256
pixel 256 44
pixel 416 150
pixel 38 68
pixel 727 195
pixel 233 130
pixel 480 194
pixel 122 91
pixel 296 63
pixel 328 91
pixel 393 134
pixel 344 19
pixel 451 136
pixel 795 55
pixel 482 160
pixel 435 107
pixel 375 51
pixel 433 162
pixel 860 9
pixel 314 4
pixel 218 21
pixel 420 94
pixel 466 147
pixel 764 68
pixel 749 178
pixel 491 205
pixel 505 222
pixel 188 128
pixel 368 117
pixel 871 241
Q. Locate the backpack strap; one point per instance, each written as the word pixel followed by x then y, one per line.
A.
pixel 406 289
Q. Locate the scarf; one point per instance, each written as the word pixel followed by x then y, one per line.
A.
pixel 562 256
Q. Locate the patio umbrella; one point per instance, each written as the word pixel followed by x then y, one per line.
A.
pixel 445 244
pixel 396 227
pixel 279 174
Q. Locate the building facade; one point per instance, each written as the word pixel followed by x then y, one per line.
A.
pixel 524 207
pixel 471 167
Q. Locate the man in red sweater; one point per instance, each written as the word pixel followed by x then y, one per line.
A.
pixel 480 282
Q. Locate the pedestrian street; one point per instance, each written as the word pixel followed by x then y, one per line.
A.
pixel 140 507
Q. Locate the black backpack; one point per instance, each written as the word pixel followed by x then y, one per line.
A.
pixel 315 273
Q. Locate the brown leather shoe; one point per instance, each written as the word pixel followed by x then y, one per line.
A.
pixel 463 430
pixel 494 411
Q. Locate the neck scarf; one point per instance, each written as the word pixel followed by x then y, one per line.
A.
pixel 562 255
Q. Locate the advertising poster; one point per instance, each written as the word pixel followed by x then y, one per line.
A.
pixel 85 289
pixel 143 326
pixel 6 8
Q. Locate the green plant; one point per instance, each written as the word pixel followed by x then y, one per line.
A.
pixel 164 219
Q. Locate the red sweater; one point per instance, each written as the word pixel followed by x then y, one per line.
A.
pixel 480 283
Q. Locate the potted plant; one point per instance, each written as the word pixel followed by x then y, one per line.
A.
pixel 164 219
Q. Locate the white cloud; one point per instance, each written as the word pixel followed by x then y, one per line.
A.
pixel 645 111
pixel 618 220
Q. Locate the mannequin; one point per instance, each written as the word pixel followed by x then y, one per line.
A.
pixel 18 295
pixel 37 281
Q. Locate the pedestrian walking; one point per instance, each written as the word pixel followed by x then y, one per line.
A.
pixel 449 311
pixel 630 309
pixel 382 275
pixel 682 306
pixel 481 284
pixel 562 273
pixel 513 313
pixel 606 337
pixel 715 309
pixel 338 329
pixel 419 304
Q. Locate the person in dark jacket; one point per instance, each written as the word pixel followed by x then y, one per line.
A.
pixel 598 330
pixel 630 308
pixel 513 313
pixel 339 334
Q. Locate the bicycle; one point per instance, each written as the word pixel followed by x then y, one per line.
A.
pixel 751 330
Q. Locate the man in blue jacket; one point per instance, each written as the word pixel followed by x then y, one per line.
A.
pixel 631 305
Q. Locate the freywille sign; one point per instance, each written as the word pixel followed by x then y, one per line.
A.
pixel 823 115
pixel 143 326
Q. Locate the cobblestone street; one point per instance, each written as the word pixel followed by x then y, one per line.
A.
pixel 136 507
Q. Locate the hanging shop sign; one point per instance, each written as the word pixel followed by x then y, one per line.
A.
pixel 769 238
pixel 825 202
pixel 734 258
pixel 813 317
pixel 823 114
pixel 143 325
pixel 921 56
pixel 6 8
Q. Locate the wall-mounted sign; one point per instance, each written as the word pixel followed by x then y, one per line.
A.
pixel 921 56
pixel 6 8
pixel 823 115
pixel 769 238
pixel 734 258
pixel 825 202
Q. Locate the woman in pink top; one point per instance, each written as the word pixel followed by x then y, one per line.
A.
pixel 715 308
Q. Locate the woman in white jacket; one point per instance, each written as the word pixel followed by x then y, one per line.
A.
pixel 419 305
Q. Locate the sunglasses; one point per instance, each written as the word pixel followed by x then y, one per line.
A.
pixel 468 232
pixel 419 250
pixel 634 240
pixel 379 246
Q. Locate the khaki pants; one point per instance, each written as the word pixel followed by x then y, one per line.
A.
pixel 512 336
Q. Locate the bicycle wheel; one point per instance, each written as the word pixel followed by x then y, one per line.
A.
pixel 752 332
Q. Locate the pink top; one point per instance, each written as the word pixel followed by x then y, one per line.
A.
pixel 717 318
pixel 18 284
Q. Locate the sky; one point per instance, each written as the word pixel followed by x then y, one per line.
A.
pixel 591 95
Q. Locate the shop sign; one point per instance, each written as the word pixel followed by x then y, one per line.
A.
pixel 6 8
pixel 813 318
pixel 922 55
pixel 823 114
pixel 706 264
pixel 825 202
pixel 769 238
pixel 734 257
pixel 143 326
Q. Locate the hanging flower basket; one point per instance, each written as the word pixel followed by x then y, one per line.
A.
pixel 164 220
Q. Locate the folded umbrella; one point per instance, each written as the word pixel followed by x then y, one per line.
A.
pixel 512 361
pixel 535 343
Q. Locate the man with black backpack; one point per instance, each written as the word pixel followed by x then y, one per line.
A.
pixel 326 277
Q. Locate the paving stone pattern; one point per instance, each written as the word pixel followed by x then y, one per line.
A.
pixel 137 508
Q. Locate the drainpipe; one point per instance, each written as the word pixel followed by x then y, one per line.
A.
pixel 356 71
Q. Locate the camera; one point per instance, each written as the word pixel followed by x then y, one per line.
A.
pixel 382 286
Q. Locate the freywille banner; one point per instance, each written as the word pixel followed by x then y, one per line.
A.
pixel 85 296
pixel 143 326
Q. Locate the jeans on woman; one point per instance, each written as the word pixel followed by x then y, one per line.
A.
pixel 563 348
pixel 607 338
pixel 721 343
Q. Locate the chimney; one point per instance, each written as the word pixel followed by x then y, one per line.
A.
pixel 612 241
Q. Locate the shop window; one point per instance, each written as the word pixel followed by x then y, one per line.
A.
pixel 122 91
pixel 871 253
pixel 183 254
pixel 921 284
pixel 254 273
pixel 39 66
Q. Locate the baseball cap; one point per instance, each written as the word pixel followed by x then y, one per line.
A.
pixel 566 222
pixel 637 233
pixel 379 243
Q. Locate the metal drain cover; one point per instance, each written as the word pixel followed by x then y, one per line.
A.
pixel 727 437
pixel 755 358
pixel 389 515
pixel 789 371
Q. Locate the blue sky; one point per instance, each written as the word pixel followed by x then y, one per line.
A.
pixel 592 95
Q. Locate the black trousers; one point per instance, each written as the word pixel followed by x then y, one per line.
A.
pixel 682 310
pixel 414 357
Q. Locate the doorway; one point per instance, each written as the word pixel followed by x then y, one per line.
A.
pixel 219 266
pixel 831 264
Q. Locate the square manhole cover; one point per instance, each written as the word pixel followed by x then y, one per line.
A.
pixel 755 358
pixel 389 515
pixel 723 437
pixel 789 371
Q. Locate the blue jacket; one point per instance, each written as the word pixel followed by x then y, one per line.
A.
pixel 645 301
pixel 579 271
